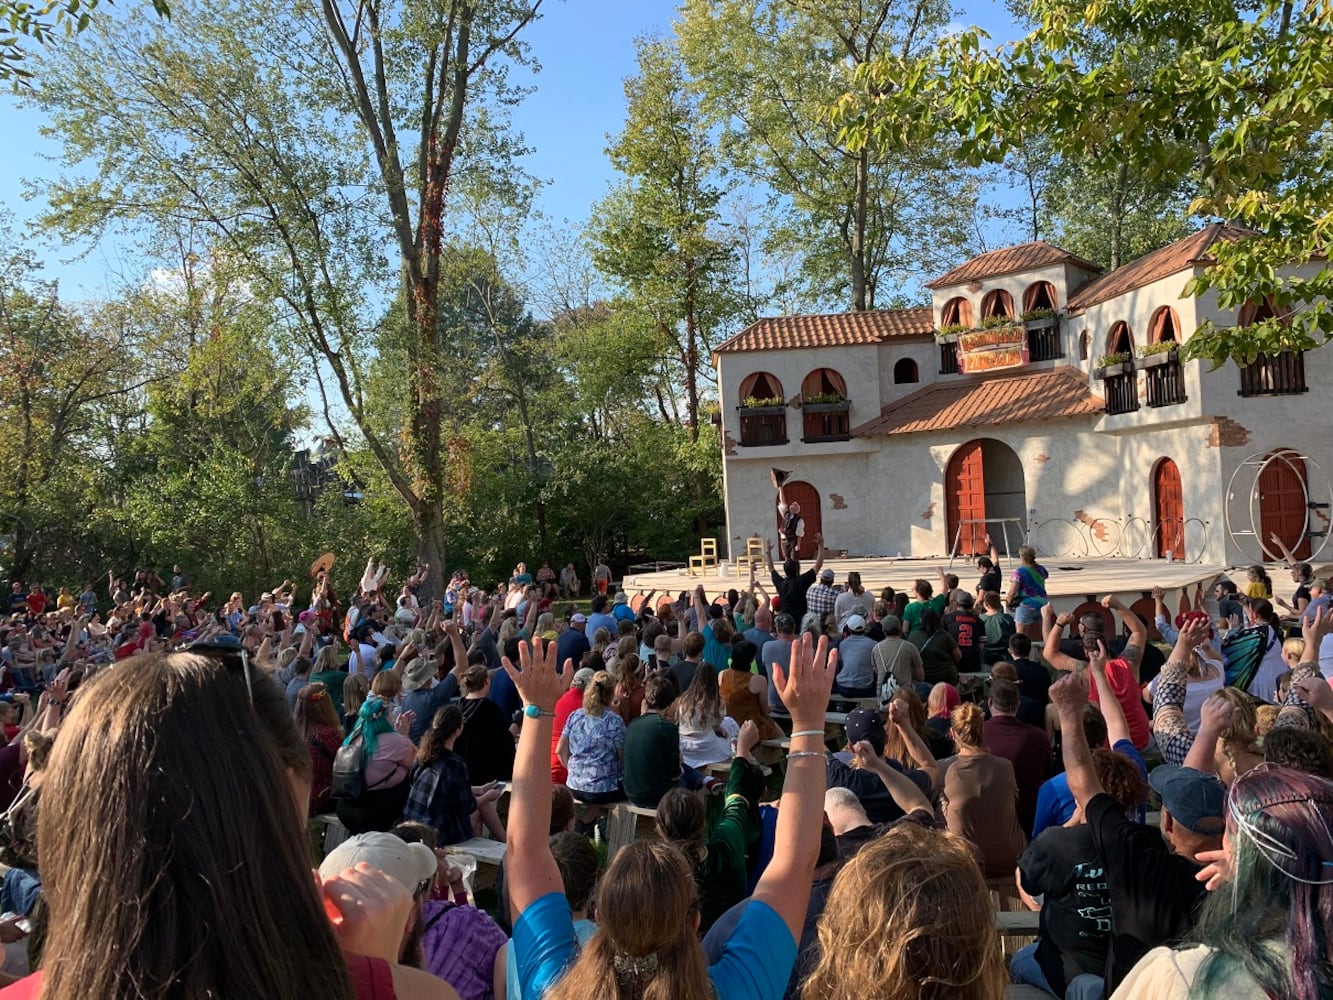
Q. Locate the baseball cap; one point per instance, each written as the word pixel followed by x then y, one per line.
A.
pixel 578 618
pixel 411 864
pixel 889 623
pixel 1195 800
pixel 826 576
pixel 965 600
pixel 855 623
pixel 866 724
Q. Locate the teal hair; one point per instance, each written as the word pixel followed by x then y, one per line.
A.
pixel 371 722
pixel 1280 891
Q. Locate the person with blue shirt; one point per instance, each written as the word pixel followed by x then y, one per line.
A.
pixel 599 619
pixel 648 907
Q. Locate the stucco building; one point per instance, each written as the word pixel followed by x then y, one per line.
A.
pixel 916 431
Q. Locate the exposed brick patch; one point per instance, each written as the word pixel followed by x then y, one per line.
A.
pixel 838 502
pixel 1226 433
pixel 929 512
pixel 1042 459
pixel 1095 525
pixel 728 443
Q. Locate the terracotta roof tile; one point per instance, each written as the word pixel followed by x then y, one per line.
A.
pixel 1052 394
pixel 1010 260
pixel 1152 267
pixel 777 333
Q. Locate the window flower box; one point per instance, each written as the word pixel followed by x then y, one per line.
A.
pixel 1169 356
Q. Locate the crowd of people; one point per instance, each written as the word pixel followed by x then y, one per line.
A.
pixel 1160 791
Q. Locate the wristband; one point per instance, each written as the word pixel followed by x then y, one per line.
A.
pixel 805 753
pixel 809 732
pixel 533 712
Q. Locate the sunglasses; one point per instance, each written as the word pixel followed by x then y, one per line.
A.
pixel 233 656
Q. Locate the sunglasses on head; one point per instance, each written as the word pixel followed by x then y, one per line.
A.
pixel 231 655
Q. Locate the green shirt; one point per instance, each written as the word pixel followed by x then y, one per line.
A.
pixel 652 759
pixel 333 681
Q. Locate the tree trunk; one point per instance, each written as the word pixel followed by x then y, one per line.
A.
pixel 861 298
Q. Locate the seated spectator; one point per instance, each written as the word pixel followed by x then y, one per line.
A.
pixel 577 861
pixel 1026 747
pixel 1151 877
pixel 909 916
pixel 896 749
pixel 592 749
pixel 1029 710
pixel 317 724
pixel 745 694
pixel 967 631
pixel 880 799
pixel 856 668
pixel 1062 870
pixel 940 704
pixel 652 746
pixel 645 943
pixel 389 756
pixel 706 731
pixel 939 651
pixel 1263 930
pixel 1300 750
pixel 979 796
pixel 895 657
pixel 443 796
pixel 569 702
pixel 721 853
pixel 355 691
pixel 459 944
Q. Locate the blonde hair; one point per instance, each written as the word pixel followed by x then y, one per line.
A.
pixel 355 689
pixel 1264 717
pixel 326 660
pixel 387 684
pixel 967 724
pixel 909 916
pixel 599 693
pixel 645 945
pixel 1294 647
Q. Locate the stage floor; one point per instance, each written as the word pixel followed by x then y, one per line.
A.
pixel 1071 582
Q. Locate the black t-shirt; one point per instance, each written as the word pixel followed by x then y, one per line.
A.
pixel 1034 681
pixel 791 591
pixel 866 786
pixel 970 634
pixel 1062 866
pixel 1301 591
pixel 1154 892
pixel 990 580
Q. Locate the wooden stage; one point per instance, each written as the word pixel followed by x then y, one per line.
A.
pixel 1071 582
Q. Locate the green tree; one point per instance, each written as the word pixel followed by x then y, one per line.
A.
pixel 656 235
pixel 306 142
pixel 865 220
pixel 1238 93
pixel 42 22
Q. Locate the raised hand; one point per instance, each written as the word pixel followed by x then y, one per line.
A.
pixel 539 682
pixel 1216 869
pixel 747 740
pixel 866 756
pixel 1217 712
pixel 1317 694
pixel 1070 693
pixel 805 685
pixel 898 714
pixel 368 910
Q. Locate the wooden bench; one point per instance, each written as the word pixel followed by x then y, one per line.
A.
pixel 488 854
pixel 1018 923
pixel 624 825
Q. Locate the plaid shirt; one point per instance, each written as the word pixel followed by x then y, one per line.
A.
pixel 819 599
pixel 442 798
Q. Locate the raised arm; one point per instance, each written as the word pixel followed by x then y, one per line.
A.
pixel 804 689
pixel 700 608
pixel 1160 617
pixel 902 789
pixel 530 619
pixel 1054 628
pixel 916 746
pixel 768 560
pixel 1214 718
pixel 1296 711
pixel 819 563
pixel 1168 719
pixel 1070 695
pixel 531 867
pixel 1138 634
pixel 1287 555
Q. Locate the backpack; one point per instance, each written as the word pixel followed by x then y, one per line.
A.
pixel 349 772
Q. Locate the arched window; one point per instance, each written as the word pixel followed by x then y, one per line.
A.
pixel 1256 312
pixel 763 411
pixel 760 385
pixel 956 312
pixel 905 371
pixel 1084 345
pixel 1279 374
pixel 997 303
pixel 825 411
pixel 1165 326
pixel 1039 295
pixel 1120 339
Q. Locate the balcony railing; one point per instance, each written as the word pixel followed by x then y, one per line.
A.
pixel 826 422
pixel 1166 384
pixel 763 425
pixel 1044 341
pixel 949 358
pixel 1122 393
pixel 1274 375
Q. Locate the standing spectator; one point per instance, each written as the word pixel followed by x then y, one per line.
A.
pixel 1027 593
pixel 967 632
pixel 601 576
pixel 792 586
pixel 320 731
pixel 1000 628
pixel 599 619
pixel 854 600
pixel 821 598
pixel 895 656
pixel 486 742
pixel 939 652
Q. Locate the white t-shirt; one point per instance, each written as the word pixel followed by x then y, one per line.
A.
pixel 1169 974
pixel 1196 693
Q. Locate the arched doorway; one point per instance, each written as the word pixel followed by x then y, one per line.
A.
pixel 1168 499
pixel 808 497
pixel 1283 500
pixel 984 486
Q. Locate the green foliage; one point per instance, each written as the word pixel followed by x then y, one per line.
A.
pixel 1237 96
pixel 995 322
pixel 950 330
pixel 42 22
pixel 826 397
pixel 1157 347
pixel 1107 360
pixel 753 402
pixel 1035 314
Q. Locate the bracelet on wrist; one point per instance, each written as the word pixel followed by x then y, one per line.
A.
pixel 809 732
pixel 805 753
pixel 536 712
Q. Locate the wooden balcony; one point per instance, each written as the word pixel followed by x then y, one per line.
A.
pixel 763 425
pixel 1274 375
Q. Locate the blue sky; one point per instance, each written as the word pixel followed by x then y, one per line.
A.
pixel 585 48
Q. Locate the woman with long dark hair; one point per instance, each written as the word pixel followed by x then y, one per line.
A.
pixel 443 796
pixel 201 867
pixel 1265 927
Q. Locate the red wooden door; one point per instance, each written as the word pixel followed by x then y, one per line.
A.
pixel 808 497
pixel 1168 510
pixel 1282 505
pixel 965 499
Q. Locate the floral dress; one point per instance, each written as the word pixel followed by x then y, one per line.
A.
pixel 595 743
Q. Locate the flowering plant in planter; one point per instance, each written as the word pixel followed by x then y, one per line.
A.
pixel 825 397
pixel 754 402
